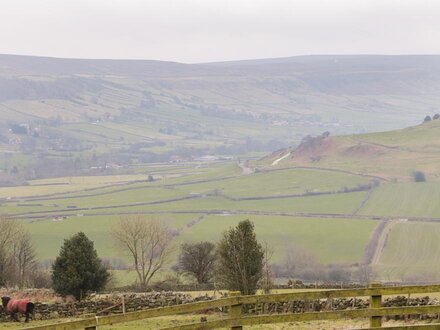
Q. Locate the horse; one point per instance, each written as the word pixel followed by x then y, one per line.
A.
pixel 18 306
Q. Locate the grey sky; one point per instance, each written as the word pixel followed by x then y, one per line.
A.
pixel 214 30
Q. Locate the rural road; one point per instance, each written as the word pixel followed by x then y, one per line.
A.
pixel 276 161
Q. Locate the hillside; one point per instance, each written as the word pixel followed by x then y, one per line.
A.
pixel 65 116
pixel 404 246
pixel 341 202
pixel 392 155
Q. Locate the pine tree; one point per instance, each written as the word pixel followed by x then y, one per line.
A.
pixel 78 270
pixel 240 265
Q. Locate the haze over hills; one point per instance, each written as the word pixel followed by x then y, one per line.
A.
pixel 78 113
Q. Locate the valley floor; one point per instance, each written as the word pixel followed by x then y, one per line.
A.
pixel 334 216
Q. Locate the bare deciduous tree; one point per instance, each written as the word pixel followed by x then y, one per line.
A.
pixel 25 260
pixel 364 274
pixel 198 260
pixel 297 259
pixel 17 253
pixel 147 241
pixel 8 230
pixel 267 279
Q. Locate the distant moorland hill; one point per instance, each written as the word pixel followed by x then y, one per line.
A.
pixel 82 114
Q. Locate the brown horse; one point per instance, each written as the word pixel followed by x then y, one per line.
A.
pixel 18 306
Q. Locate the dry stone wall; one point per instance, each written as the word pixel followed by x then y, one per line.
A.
pixel 133 302
pixel 301 306
pixel 142 301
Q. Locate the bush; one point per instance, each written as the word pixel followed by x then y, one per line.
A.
pixel 427 119
pixel 419 176
pixel 339 274
pixel 41 280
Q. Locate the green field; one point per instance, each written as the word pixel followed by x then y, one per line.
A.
pixel 49 234
pixel 412 253
pixel 324 238
pixel 391 155
pixel 222 189
pixel 409 199
pixel 199 203
pixel 306 209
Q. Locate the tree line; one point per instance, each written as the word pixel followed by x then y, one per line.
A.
pixel 237 262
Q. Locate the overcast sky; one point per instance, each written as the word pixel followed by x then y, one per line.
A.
pixel 216 30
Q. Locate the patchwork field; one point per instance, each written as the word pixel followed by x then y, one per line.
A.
pixel 334 215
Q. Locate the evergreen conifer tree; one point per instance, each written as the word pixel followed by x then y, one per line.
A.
pixel 240 264
pixel 78 270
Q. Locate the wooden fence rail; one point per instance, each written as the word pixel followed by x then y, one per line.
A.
pixel 236 320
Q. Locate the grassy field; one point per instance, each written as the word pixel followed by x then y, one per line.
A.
pixel 66 185
pixel 391 155
pixel 224 183
pixel 409 199
pixel 185 202
pixel 411 249
pixel 324 238
pixel 200 201
pixel 49 234
pixel 412 252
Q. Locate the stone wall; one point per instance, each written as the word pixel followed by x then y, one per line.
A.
pixel 94 305
pixel 301 306
pixel 141 301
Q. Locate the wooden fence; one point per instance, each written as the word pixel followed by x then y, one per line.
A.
pixel 236 320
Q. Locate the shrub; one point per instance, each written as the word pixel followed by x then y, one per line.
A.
pixel 427 119
pixel 41 279
pixel 419 176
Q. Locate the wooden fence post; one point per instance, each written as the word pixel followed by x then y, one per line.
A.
pixel 235 311
pixel 375 302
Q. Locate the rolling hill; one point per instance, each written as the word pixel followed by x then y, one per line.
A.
pixel 341 201
pixel 80 114
pixel 77 137
pixel 391 156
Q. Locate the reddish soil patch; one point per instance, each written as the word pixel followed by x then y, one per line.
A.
pixel 364 150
